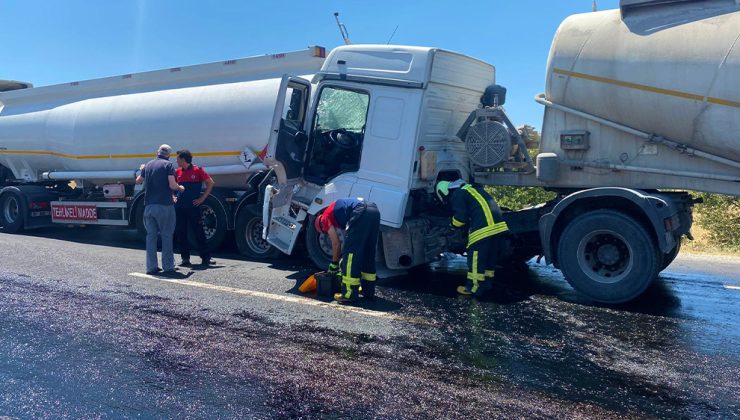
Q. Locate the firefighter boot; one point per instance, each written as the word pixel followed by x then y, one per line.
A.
pixel 465 290
pixel 470 288
pixel 348 294
pixel 368 289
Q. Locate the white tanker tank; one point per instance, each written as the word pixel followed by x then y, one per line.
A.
pixel 653 88
pixel 104 129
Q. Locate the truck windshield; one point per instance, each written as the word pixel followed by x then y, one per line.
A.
pixel 339 108
pixel 337 135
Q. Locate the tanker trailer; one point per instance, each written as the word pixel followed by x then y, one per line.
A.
pixel 97 133
pixel 640 102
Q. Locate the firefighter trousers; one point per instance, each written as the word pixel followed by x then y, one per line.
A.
pixel 358 252
pixel 483 256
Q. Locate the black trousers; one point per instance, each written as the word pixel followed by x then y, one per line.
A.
pixel 360 243
pixel 483 256
pixel 190 218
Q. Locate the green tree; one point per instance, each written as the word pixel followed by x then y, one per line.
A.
pixel 720 216
pixel 517 198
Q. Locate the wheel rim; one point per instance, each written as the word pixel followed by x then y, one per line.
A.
pixel 11 210
pixel 605 256
pixel 210 222
pixel 253 236
pixel 324 244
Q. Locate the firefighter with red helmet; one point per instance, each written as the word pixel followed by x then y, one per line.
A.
pixel 354 260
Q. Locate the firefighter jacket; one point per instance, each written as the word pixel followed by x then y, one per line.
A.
pixel 475 208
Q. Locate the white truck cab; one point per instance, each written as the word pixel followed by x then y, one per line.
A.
pixel 381 124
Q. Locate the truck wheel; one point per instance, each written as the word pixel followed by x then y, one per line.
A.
pixel 608 256
pixel 213 217
pixel 318 246
pixel 249 235
pixel 12 212
pixel 669 257
pixel 139 221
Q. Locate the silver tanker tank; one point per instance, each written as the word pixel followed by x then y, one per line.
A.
pixel 653 88
pixel 105 128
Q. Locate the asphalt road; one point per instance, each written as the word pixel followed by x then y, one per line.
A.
pixel 84 334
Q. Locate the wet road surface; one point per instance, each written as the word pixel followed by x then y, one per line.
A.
pixel 84 334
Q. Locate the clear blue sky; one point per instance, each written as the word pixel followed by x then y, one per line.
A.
pixel 57 41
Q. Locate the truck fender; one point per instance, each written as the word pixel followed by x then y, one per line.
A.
pixel 251 196
pixel 12 188
pixel 221 196
pixel 649 207
pixel 246 198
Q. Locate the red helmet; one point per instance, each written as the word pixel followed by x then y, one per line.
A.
pixel 318 223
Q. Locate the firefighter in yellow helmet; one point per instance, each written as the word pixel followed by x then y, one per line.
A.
pixel 474 208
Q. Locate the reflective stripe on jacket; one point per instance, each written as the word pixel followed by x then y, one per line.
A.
pixel 474 206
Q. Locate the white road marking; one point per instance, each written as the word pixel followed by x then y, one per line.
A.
pixel 289 299
pixel 727 286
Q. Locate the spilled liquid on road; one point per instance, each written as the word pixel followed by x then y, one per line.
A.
pixel 532 348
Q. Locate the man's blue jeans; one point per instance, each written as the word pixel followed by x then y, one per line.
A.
pixel 159 220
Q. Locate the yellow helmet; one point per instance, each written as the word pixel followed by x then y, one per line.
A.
pixel 443 190
pixel 444 187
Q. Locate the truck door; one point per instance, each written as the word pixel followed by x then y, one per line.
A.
pixel 287 143
pixel 285 155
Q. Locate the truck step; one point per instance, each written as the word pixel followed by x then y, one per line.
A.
pixel 285 222
pixel 283 232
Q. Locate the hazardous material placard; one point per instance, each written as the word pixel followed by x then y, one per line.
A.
pixel 61 212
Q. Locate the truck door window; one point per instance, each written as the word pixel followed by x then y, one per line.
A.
pixel 337 134
pixel 291 139
pixel 294 108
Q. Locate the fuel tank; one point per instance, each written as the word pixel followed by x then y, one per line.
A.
pixel 218 111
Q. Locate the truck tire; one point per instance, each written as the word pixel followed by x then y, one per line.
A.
pixel 139 221
pixel 248 235
pixel 608 256
pixel 318 246
pixel 668 258
pixel 12 212
pixel 213 217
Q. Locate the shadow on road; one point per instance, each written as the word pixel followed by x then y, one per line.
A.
pixel 378 304
pixel 91 235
